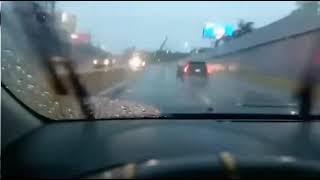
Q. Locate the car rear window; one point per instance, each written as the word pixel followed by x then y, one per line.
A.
pixel 197 65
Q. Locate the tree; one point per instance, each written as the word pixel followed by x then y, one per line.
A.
pixel 244 28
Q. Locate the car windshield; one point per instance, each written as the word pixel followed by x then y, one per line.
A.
pixel 112 60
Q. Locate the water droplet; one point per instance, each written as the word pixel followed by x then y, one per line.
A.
pixel 40 105
pixel 19 81
pixel 29 76
pixel 18 90
pixel 143 110
pixel 30 86
pixel 50 112
pixel 3 68
pixel 23 72
pixel 56 103
pixel 124 108
pixel 42 94
pixel 69 110
pixel 18 68
pixel 117 115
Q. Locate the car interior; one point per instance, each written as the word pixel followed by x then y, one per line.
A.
pixel 175 145
pixel 221 146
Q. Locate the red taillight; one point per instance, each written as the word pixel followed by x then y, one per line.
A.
pixel 186 68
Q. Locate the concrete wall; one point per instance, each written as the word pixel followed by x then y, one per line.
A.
pixel 281 49
pixel 287 27
pixel 287 58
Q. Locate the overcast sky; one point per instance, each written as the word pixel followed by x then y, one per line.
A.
pixel 119 25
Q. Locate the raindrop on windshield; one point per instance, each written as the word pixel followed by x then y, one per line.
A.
pixel 30 86
pixel 124 108
pixel 18 68
pixel 29 76
pixel 3 68
pixel 19 81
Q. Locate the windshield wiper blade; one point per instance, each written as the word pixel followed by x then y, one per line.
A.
pixel 57 52
pixel 239 117
pixel 269 105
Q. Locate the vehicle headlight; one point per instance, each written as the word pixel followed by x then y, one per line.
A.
pixel 106 62
pixel 95 61
pixel 135 62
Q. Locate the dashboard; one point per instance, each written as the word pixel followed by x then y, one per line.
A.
pixel 84 148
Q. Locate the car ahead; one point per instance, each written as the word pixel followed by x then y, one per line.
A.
pixel 137 63
pixel 193 72
pixel 99 63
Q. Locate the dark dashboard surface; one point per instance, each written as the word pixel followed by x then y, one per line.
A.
pixel 71 149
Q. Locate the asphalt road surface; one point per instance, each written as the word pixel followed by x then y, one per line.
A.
pixel 224 93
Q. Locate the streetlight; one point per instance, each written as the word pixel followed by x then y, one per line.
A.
pixel 74 36
pixel 64 17
pixel 220 31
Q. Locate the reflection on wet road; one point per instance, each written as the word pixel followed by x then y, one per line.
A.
pixel 158 87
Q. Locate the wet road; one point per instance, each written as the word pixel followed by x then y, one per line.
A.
pixel 158 87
